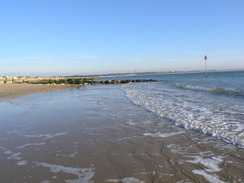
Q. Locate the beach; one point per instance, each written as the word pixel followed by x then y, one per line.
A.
pixel 16 90
pixel 97 134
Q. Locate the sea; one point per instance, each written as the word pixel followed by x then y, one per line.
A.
pixel 212 106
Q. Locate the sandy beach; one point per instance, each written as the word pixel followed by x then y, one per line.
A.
pixel 96 134
pixel 16 90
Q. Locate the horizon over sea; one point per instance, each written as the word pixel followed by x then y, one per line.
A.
pixel 213 106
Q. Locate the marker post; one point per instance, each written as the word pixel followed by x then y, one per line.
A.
pixel 206 74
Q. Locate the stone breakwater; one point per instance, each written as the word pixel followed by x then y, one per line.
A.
pixel 43 80
pixel 126 81
pixel 63 80
pixel 21 79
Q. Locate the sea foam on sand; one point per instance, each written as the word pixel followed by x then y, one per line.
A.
pixel 163 135
pixel 46 136
pixel 211 165
pixel 84 174
pixel 126 180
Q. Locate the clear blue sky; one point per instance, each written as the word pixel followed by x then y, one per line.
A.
pixel 108 36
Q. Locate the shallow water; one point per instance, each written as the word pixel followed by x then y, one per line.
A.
pixel 96 134
pixel 214 106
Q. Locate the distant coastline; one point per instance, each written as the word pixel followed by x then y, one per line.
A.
pixel 98 76
pixel 161 73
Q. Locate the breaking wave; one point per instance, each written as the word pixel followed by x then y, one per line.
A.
pixel 206 89
pixel 189 107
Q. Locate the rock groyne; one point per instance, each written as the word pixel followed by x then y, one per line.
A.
pixel 65 80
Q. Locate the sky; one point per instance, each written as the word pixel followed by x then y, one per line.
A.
pixel 67 37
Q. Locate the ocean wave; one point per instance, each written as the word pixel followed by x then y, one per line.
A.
pixel 214 115
pixel 206 89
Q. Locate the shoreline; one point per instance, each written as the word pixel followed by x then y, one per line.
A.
pixel 10 91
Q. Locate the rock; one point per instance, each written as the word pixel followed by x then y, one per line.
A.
pixel 107 82
pixel 8 82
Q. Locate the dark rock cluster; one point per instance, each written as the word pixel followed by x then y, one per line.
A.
pixel 126 81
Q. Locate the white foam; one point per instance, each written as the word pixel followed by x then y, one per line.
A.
pixel 15 156
pixel 31 144
pixel 46 136
pixel 142 173
pixel 126 180
pixel 132 123
pixel 84 174
pixel 211 165
pixel 163 135
pixel 45 181
pixel 182 181
pixel 209 177
pixel 20 163
pixel 178 149
pixel 35 136
pixel 7 152
pixel 71 155
pixel 199 111
pixel 167 174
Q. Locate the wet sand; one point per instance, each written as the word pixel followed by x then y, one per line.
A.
pixel 95 134
pixel 15 90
